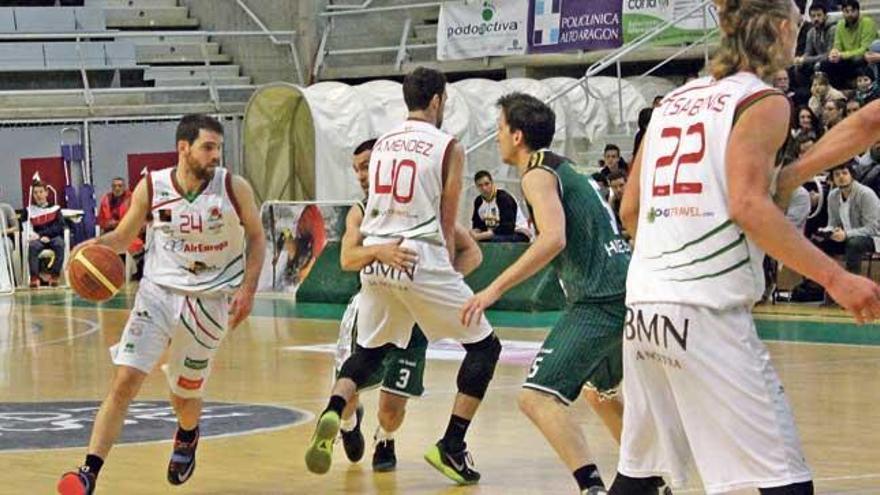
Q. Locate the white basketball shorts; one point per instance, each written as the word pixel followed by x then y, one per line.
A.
pixel 194 326
pixel 432 295
pixel 698 386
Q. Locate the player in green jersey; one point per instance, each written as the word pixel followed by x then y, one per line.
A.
pixel 578 234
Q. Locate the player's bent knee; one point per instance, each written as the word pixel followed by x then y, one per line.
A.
pixel 478 366
pixel 362 363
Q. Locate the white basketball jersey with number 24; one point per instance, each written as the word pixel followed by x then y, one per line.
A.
pixel 688 250
pixel 197 243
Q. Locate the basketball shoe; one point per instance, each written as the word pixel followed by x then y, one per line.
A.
pixel 183 460
pixel 353 441
pixel 384 458
pixel 79 482
pixel 457 466
pixel 319 455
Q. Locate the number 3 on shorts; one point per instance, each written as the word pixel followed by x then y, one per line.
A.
pixel 403 379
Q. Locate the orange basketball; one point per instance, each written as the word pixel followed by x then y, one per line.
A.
pixel 96 273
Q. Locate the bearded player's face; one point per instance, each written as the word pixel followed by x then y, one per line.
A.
pixel 203 155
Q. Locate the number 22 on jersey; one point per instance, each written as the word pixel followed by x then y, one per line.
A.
pixel 679 157
pixel 402 180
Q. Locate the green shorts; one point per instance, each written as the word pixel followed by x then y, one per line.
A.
pixel 584 349
pixel 403 370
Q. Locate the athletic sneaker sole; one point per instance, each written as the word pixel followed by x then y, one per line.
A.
pixel 70 484
pixel 319 456
pixel 435 458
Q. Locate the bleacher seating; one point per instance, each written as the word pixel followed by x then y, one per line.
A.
pixel 111 60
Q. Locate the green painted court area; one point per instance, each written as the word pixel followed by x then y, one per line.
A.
pixel 789 327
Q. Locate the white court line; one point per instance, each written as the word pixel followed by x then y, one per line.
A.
pixel 94 327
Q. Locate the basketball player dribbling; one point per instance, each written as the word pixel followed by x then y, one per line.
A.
pixel 201 217
pixel 415 185
pixel 698 383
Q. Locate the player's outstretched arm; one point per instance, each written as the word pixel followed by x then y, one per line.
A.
pixel 629 203
pixel 750 157
pixel 132 222
pixel 249 214
pixel 540 189
pixel 845 140
pixel 353 255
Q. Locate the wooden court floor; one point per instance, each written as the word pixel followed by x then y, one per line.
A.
pixel 54 348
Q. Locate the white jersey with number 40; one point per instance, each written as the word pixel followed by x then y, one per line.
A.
pixel 197 243
pixel 688 250
pixel 406 182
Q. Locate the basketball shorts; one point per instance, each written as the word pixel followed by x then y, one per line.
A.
pixel 402 371
pixel 432 295
pixel 700 388
pixel 583 350
pixel 193 327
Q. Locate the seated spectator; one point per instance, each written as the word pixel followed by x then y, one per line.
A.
pixel 834 112
pixel 644 120
pixel 612 162
pixel 822 92
pixel 782 82
pixel 853 219
pixel 47 232
pixel 616 184
pixel 808 125
pixel 852 106
pixel 113 206
pixel 867 168
pixel 852 38
pixel 867 89
pixel 819 41
pixel 497 216
pixel 9 229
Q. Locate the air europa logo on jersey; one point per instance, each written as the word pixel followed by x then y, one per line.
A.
pixel 677 212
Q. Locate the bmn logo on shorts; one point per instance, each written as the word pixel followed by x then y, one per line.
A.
pixel 195 364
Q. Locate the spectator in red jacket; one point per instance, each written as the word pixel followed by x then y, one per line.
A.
pixel 114 204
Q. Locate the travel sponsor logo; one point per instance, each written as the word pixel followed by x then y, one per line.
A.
pixel 655 214
pixel 195 364
pixel 189 384
pixel 659 329
pixel 61 425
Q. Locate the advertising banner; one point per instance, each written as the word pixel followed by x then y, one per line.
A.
pixel 481 29
pixel 562 25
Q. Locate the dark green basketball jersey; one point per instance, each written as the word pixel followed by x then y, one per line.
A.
pixel 593 265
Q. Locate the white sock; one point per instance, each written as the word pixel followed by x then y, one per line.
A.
pixel 350 423
pixel 382 435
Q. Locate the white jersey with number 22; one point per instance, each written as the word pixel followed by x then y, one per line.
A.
pixel 688 250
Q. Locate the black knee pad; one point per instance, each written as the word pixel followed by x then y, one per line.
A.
pixel 478 366
pixel 805 488
pixel 624 485
pixel 362 363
